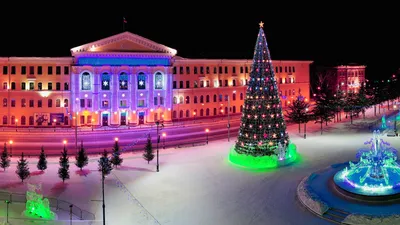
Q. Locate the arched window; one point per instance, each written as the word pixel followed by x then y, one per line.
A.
pixel 181 99
pixel 201 99
pixel 158 81
pixel 23 102
pixel 207 112
pixel 187 113
pixel 31 121
pixel 123 81
pixel 141 81
pixel 187 99
pixel 234 82
pixel 5 120
pixel 241 96
pixel 105 81
pixel 201 112
pixel 86 82
pixel 23 120
pixel 195 99
pixel 66 86
pixel 65 102
pixel 174 114
pixel 12 120
pixel 234 97
pixel 215 98
pixel 66 120
pixel 175 100
pixel 4 102
pixel 58 102
pixel 234 109
pixel 181 114
pixel 49 103
pixel 215 111
pixel 207 98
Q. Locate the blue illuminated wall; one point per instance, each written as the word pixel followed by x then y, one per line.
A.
pixel 118 61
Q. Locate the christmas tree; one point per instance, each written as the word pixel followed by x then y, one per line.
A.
pixel 263 140
pixel 63 171
pixel 5 158
pixel 105 165
pixel 116 159
pixel 148 154
pixel 81 158
pixel 22 168
pixel 42 163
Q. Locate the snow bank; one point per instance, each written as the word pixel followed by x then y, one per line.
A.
pixel 356 219
pixel 309 199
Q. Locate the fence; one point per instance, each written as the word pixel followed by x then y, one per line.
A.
pixel 54 203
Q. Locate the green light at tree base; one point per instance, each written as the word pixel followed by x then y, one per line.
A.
pixel 263 162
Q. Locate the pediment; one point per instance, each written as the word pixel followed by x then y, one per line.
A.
pixel 124 42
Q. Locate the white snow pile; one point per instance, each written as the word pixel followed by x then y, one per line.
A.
pixel 309 199
pixel 356 219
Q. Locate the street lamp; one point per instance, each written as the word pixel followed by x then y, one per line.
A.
pixel 207 130
pixel 92 123
pixel 16 125
pixel 116 139
pixel 70 214
pixel 11 142
pixel 229 124
pixel 64 142
pixel 55 121
pixel 305 124
pixel 164 136
pixel 194 117
pixel 7 202
pixel 158 141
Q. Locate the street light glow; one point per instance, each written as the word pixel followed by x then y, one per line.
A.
pixel 207 130
pixel 11 142
pixel 65 142
pixel 116 139
pixel 164 134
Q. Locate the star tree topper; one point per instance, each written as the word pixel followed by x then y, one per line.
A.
pixel 261 24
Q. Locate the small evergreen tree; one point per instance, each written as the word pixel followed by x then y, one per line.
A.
pixel 5 158
pixel 105 165
pixel 148 154
pixel 298 111
pixel 42 163
pixel 81 158
pixel 116 159
pixel 22 168
pixel 63 171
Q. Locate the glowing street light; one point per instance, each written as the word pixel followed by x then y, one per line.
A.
pixel 11 142
pixel 164 136
pixel 64 142
pixel 207 130
pixel 16 125
pixel 116 139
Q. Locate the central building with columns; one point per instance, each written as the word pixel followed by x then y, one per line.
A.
pixel 120 80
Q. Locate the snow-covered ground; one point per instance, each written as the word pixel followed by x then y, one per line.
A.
pixel 198 186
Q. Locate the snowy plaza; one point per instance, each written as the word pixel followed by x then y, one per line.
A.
pixel 197 185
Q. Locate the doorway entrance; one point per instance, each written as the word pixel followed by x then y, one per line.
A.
pixel 123 118
pixel 104 119
pixel 141 118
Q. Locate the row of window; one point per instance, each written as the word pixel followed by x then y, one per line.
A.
pixel 106 81
pixel 32 103
pixel 224 70
pixel 205 112
pixel 35 70
pixel 351 72
pixel 40 86
pixel 207 99
pixel 22 121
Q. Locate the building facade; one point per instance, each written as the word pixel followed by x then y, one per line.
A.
pixel 126 79
pixel 349 78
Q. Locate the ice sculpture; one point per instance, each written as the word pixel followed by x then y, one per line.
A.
pixel 377 172
pixel 36 205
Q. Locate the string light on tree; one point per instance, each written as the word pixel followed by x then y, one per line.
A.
pixel 262 133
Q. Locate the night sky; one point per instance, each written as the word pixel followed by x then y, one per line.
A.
pixel 327 34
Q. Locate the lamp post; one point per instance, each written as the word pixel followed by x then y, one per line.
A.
pixel 194 117
pixel 104 203
pixel 11 142
pixel 55 122
pixel 92 124
pixel 229 125
pixel 305 124
pixel 164 136
pixel 158 141
pixel 7 202
pixel 70 214
pixel 65 143
pixel 207 130
pixel 16 125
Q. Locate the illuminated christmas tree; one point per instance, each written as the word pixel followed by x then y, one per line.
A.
pixel 263 141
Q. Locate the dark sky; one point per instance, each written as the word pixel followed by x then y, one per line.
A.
pixel 329 33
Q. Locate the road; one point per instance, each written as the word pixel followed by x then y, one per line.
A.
pixel 96 141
